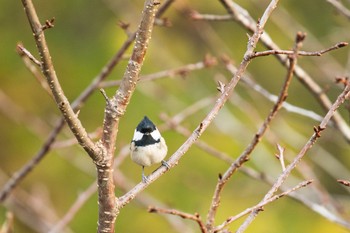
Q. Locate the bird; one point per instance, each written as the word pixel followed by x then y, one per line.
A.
pixel 148 147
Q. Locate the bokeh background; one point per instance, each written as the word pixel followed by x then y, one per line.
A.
pixel 86 35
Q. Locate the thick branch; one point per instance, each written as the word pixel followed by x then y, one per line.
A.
pixel 116 107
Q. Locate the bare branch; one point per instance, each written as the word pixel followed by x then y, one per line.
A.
pixel 260 206
pixel 301 53
pixel 207 62
pixel 50 74
pixel 195 217
pixel 280 156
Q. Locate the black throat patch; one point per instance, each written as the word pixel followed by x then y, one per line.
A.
pixel 146 140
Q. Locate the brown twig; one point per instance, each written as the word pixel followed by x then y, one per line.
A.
pixel 260 206
pixel 195 15
pixel 52 80
pixel 280 156
pixel 28 60
pixel 207 62
pixel 301 53
pixel 195 217
pixel 341 98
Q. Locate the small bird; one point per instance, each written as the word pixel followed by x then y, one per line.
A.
pixel 148 146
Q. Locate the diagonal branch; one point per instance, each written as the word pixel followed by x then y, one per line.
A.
pixel 51 77
pixel 194 217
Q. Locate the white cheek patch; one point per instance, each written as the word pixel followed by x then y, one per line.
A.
pixel 137 136
pixel 156 135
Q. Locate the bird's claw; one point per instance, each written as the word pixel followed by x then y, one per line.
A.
pixel 145 179
pixel 165 164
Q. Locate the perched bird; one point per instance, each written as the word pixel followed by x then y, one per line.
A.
pixel 148 146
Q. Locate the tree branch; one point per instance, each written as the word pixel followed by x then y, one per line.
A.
pixel 50 74
pixel 195 217
pixel 115 109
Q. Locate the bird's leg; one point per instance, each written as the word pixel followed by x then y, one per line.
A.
pixel 144 178
pixel 165 164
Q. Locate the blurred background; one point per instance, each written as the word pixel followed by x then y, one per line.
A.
pixel 87 35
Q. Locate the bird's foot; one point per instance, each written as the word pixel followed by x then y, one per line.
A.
pixel 165 164
pixel 145 179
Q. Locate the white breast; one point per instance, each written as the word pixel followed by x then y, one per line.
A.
pixel 150 154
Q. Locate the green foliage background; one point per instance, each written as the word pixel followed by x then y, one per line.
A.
pixel 86 36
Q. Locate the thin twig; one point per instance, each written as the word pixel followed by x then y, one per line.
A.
pixel 24 52
pixel 50 74
pixel 195 15
pixel 195 217
pixel 207 62
pixel 301 53
pixel 34 66
pixel 280 156
pixel 261 205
